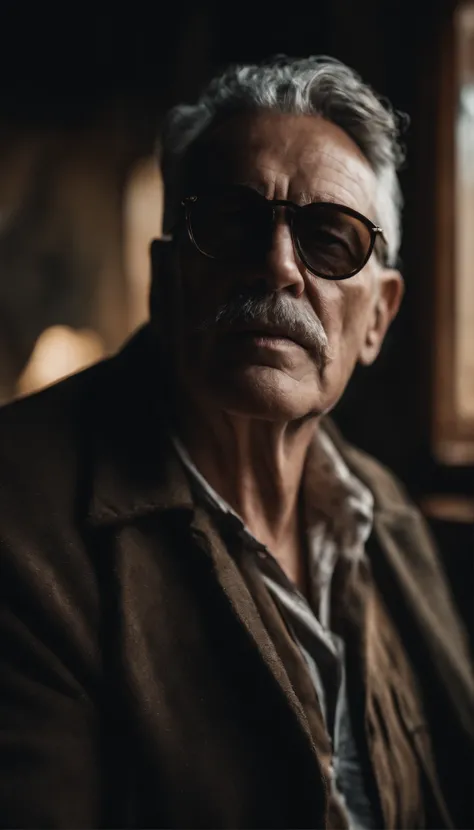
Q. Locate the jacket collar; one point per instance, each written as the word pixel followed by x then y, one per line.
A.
pixel 135 470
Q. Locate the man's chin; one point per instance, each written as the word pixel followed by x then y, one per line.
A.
pixel 267 393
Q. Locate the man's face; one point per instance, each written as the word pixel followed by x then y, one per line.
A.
pixel 263 370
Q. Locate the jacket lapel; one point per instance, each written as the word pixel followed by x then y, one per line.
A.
pixel 411 565
pixel 408 572
pixel 244 608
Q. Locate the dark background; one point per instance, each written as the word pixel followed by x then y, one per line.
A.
pixel 65 68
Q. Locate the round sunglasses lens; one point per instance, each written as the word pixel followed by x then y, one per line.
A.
pixel 333 244
pixel 228 224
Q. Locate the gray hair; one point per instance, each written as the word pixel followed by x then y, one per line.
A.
pixel 309 86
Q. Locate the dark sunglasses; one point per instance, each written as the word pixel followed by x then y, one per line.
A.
pixel 237 224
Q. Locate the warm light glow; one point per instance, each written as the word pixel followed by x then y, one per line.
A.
pixel 59 351
pixel 143 215
pixel 464 345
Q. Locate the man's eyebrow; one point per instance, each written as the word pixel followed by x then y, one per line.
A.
pixel 306 198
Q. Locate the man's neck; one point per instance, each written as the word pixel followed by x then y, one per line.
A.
pixel 257 467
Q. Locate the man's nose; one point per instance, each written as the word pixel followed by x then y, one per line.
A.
pixel 282 271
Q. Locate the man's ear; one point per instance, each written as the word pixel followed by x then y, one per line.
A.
pixel 390 292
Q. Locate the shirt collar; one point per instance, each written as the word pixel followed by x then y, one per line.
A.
pixel 334 497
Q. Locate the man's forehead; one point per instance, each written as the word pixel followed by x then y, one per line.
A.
pixel 302 157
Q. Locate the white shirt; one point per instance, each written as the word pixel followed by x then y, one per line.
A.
pixel 339 517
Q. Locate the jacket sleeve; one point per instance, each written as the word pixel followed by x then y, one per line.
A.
pixel 50 775
pixel 50 669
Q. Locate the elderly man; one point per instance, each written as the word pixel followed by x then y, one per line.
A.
pixel 216 613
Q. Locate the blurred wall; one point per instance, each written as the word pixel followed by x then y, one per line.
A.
pixel 82 97
pixel 60 239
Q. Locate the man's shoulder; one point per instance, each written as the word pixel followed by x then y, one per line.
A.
pixel 44 441
pixel 53 398
pixel 69 413
pixel 40 424
pixel 55 444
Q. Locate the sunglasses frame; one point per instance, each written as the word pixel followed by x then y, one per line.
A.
pixel 292 208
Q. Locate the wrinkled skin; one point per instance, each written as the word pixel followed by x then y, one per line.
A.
pixel 252 406
pixel 300 158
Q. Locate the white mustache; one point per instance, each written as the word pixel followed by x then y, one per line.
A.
pixel 273 310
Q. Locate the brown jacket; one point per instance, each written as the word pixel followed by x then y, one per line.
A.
pixel 139 686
